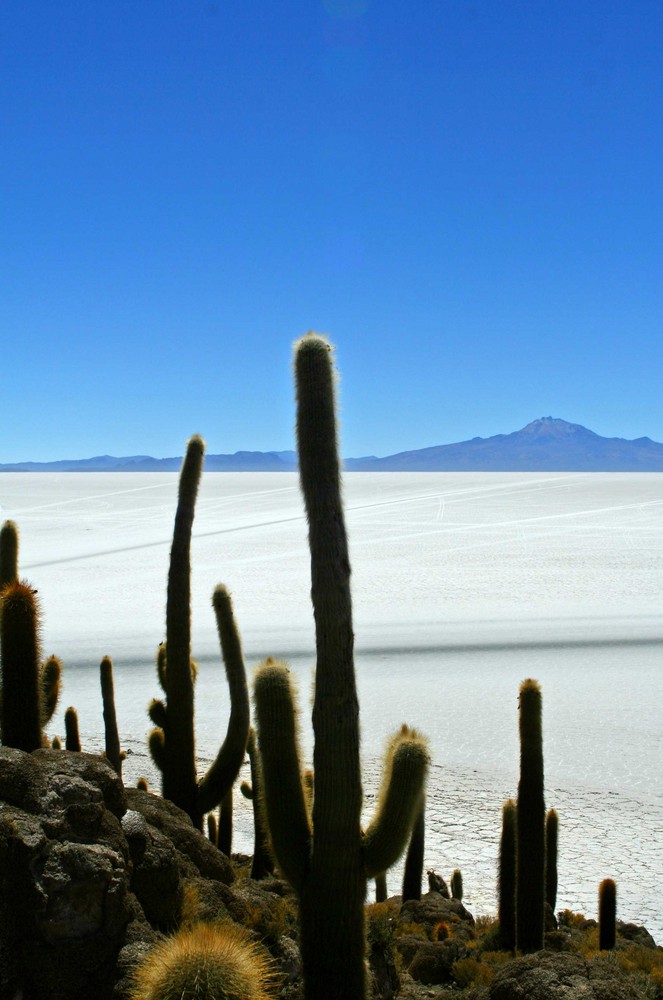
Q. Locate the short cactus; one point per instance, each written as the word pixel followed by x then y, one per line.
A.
pixel 205 962
pixel 114 755
pixel 506 883
pixel 531 852
pixel 607 914
pixel 21 721
pixel 72 735
pixel 456 885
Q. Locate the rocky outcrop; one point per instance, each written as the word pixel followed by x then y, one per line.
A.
pixel 563 976
pixel 90 874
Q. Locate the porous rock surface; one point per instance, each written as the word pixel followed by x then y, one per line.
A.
pixel 89 874
pixel 563 976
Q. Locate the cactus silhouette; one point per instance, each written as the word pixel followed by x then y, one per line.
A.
pixel 325 856
pixel 531 851
pixel 224 836
pixel 552 831
pixel 72 736
pixel 506 882
pixel 607 914
pixel 205 962
pixel 172 743
pixel 456 885
pixel 263 863
pixel 114 755
pixel 8 554
pixel 30 692
pixel 414 859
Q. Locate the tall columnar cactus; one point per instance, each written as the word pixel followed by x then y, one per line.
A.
pixel 552 831
pixel 506 882
pixel 172 744
pixel 325 856
pixel 607 914
pixel 8 554
pixel 114 755
pixel 531 836
pixel 414 859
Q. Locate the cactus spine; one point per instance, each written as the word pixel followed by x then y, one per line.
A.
pixel 114 755
pixel 456 885
pixel 552 831
pixel 172 744
pixel 414 859
pixel 326 858
pixel 506 883
pixel 531 852
pixel 607 914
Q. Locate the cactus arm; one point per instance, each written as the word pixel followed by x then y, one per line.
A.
pixel 19 647
pixel 111 736
pixel 400 799
pixel 179 771
pixel 8 553
pixel 162 666
pixel 158 713
pixel 156 744
pixel 50 681
pixel 284 800
pixel 222 773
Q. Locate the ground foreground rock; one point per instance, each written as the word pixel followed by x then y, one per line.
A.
pixel 548 976
pixel 87 883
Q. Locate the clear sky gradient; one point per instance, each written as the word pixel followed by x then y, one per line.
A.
pixel 467 197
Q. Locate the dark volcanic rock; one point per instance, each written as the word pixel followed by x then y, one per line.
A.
pixel 563 976
pixel 65 899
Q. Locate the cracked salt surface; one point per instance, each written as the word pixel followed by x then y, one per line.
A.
pixel 463 585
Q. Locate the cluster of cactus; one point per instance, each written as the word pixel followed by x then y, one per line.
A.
pixel 30 687
pixel 527 869
pixel 323 851
pixel 172 742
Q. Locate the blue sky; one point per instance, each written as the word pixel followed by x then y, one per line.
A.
pixel 465 196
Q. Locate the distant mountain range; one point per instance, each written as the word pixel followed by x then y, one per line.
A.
pixel 545 445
